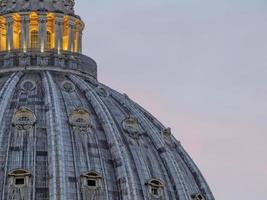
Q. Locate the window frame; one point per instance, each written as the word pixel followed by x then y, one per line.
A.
pixel 48 40
pixel 156 185
pixel 19 174
pixel 34 39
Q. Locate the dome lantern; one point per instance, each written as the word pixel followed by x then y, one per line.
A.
pixel 40 25
pixel 43 33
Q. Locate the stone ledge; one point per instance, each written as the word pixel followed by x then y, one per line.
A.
pixel 17 59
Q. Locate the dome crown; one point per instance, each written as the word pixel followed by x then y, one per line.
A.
pixel 64 6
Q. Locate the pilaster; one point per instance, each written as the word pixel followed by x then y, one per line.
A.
pixel 25 31
pixel 42 34
pixel 59 32
pixel 71 34
pixel 78 35
pixel 9 32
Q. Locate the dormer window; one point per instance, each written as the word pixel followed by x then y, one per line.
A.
pixel 19 178
pixel 19 184
pixel 198 197
pixel 156 188
pixel 92 179
pixel 91 185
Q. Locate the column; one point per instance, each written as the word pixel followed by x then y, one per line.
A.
pixel 42 35
pixel 79 33
pixel 71 35
pixel 59 32
pixel 9 32
pixel 25 31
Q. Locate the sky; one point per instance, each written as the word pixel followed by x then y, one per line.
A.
pixel 200 67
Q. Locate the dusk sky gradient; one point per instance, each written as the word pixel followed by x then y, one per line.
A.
pixel 200 67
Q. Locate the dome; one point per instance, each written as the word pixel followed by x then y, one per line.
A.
pixel 72 136
pixel 65 136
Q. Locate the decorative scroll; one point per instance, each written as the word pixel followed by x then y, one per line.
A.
pixel 23 119
pixel 132 126
pixel 80 120
pixel 68 86
pixel 28 85
pixel 102 92
pixel 167 133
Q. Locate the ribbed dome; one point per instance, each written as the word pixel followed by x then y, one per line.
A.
pixel 71 137
pixel 64 135
pixel 64 6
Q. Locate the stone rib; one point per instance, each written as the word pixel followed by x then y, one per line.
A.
pixel 57 182
pixel 113 136
pixel 194 169
pixel 167 157
pixel 5 96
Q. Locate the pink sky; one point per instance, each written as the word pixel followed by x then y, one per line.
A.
pixel 200 67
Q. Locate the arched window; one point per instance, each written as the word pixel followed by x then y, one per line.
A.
pixel 19 177
pixel 92 179
pixel 156 188
pixel 34 39
pixel 49 40
pixel 198 197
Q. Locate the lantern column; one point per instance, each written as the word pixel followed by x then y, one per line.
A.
pixel 9 32
pixel 71 41
pixel 59 32
pixel 42 34
pixel 25 31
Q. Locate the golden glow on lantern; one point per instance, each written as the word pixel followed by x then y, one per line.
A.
pixel 43 41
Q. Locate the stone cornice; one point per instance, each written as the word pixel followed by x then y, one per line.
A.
pixel 49 60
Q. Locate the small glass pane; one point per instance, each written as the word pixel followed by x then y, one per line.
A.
pixel 34 39
pixel 91 183
pixel 155 191
pixel 19 181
